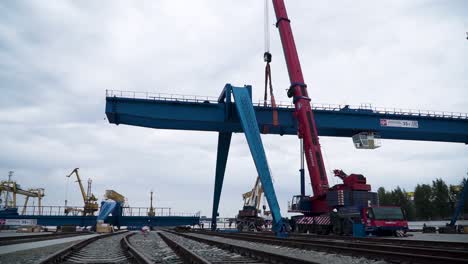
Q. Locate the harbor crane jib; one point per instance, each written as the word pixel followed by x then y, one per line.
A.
pixel 90 201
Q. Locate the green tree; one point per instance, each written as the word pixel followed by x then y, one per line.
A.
pixel 400 198
pixel 463 183
pixel 384 196
pixel 422 201
pixel 440 198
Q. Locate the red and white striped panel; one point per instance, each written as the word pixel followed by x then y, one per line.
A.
pixel 322 220
pixel 306 220
pixel 309 220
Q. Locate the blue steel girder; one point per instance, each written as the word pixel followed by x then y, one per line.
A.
pixel 139 221
pixel 180 114
pixel 224 142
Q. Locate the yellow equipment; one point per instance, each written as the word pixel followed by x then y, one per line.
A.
pixel 115 196
pixel 250 218
pixel 90 201
pixel 10 186
pixel 36 193
pixel 253 197
pixel 102 227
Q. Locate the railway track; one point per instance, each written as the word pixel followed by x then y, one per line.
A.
pixel 34 238
pixel 172 247
pixel 391 241
pixel 108 248
pixel 154 247
pixel 200 252
pixel 373 249
pixel 263 253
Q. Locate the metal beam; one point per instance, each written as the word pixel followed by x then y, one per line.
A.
pixel 224 141
pixel 342 121
pixel 132 221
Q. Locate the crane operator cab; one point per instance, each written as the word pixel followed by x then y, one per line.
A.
pixel 300 204
pixel 367 140
pixel 384 220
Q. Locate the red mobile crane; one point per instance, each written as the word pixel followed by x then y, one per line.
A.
pixel 329 209
pixel 307 130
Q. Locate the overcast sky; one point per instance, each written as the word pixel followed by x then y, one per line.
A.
pixel 57 58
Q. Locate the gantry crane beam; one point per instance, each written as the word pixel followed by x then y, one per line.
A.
pixel 186 113
pixel 12 187
pixel 19 191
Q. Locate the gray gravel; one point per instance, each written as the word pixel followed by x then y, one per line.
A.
pixel 210 253
pixel 154 248
pixel 104 250
pixel 316 256
pixel 32 256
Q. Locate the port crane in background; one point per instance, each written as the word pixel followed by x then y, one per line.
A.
pixel 90 201
pixel 251 217
pixel 10 186
pixel 34 193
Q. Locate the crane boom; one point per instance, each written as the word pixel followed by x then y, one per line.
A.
pixel 253 197
pixel 90 204
pixel 307 129
pixel 83 193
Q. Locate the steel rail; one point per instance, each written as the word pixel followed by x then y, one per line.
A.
pixel 392 241
pixel 60 255
pixel 390 246
pixel 11 240
pixel 250 252
pixel 139 257
pixel 373 250
pixel 183 252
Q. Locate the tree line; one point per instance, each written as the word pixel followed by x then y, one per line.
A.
pixel 434 201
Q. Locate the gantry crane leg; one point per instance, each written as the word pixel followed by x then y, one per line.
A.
pixel 246 113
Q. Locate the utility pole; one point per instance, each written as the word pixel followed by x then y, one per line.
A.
pixel 151 210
